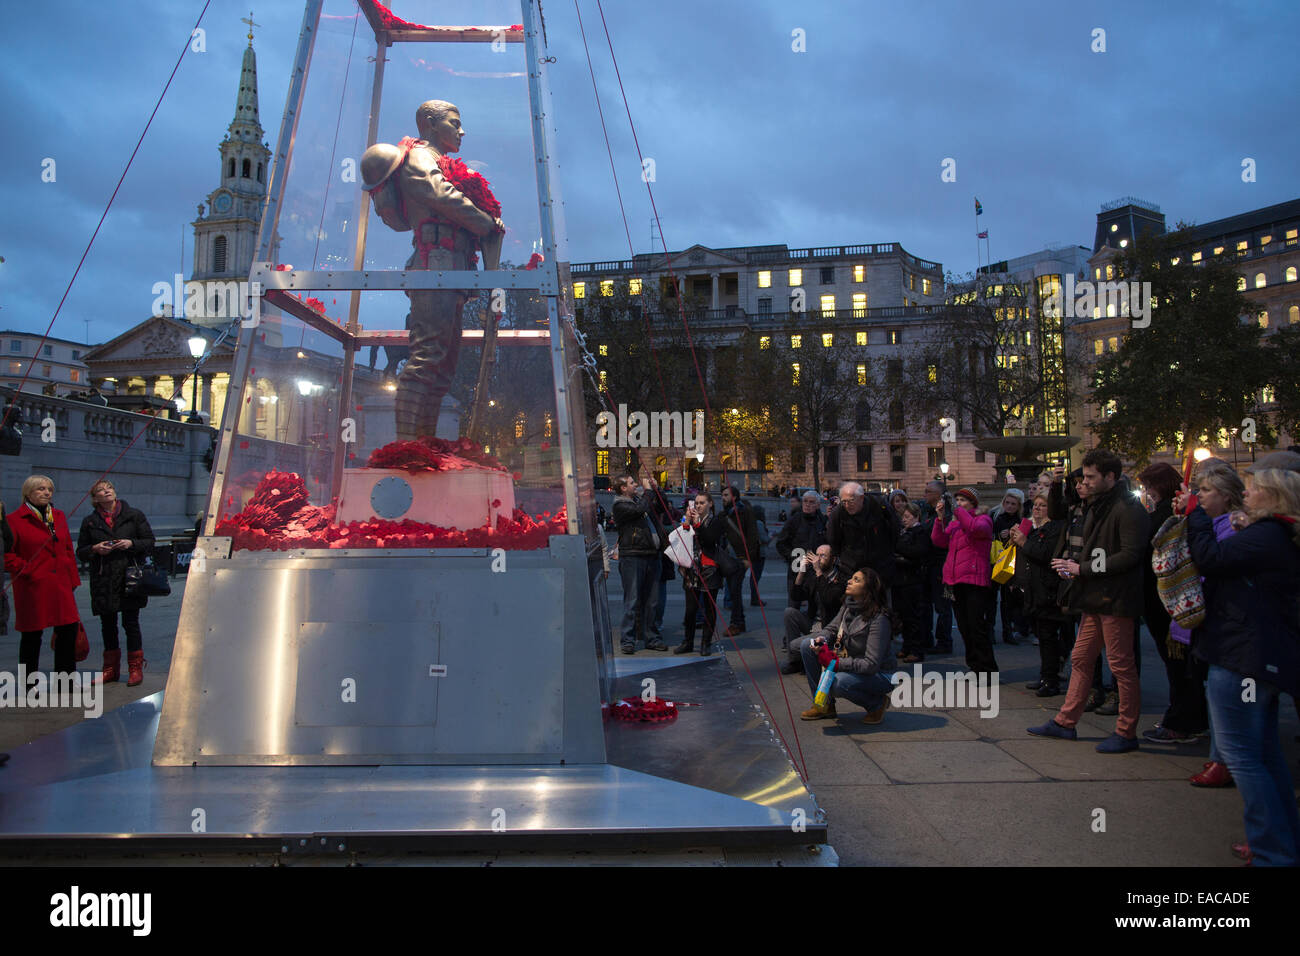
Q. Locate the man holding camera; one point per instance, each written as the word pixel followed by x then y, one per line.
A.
pixel 641 540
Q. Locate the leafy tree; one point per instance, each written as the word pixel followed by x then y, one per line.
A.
pixel 1196 369
pixel 821 403
pixel 1283 349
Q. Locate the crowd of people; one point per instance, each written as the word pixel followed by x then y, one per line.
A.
pixel 42 563
pixel 1081 585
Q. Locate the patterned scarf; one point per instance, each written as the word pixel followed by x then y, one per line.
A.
pixel 48 516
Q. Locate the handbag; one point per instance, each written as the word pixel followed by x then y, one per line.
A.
pixel 681 546
pixel 1177 581
pixel 82 647
pixel 1005 567
pixel 145 579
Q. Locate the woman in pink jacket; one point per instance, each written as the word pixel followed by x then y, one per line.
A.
pixel 968 538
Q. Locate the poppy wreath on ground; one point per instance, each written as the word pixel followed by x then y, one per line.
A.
pixel 279 517
pixel 655 711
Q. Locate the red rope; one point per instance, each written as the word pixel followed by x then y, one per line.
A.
pixel 704 393
pixel 76 272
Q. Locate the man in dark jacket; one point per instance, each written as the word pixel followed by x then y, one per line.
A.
pixel 912 561
pixel 863 533
pixel 742 533
pixel 641 540
pixel 822 580
pixel 1104 585
pixel 803 532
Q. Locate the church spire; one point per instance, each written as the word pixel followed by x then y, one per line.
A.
pixel 246 126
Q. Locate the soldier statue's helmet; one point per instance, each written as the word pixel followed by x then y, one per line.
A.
pixel 378 163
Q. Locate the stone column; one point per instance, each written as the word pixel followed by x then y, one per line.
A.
pixel 715 306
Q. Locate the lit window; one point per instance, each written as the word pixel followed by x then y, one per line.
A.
pixel 1241 283
pixel 607 287
pixel 1113 343
pixel 1218 250
pixel 580 291
pixel 794 416
pixel 925 286
pixel 861 338
pixel 859 273
pixel 604 350
pixel 1263 319
pixel 932 374
pixel 633 286
pixel 862 374
pixel 549 428
pixel 1110 310
pixel 1265 240
pixel 894 337
pixel 74 375
pixel 860 304
pixel 1291 237
pixel 1260 281
pixel 1175 260
pixel 1267 396
pixel 828 305
pixel 765 342
pixel 796 277
pixel 1242 247
pixel 764 279
pixel 769 462
pixel 796 341
pixel 1290 273
pixel 519 425
pixel 1293 314
pixel 602 380
pixel 911 282
pixel 1110 272
pixel 794 373
pixel 1096 273
pixel 1096 312
pixel 828 339
pixel 602 462
pixel 1196 257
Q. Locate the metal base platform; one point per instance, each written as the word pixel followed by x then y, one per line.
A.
pixel 714 777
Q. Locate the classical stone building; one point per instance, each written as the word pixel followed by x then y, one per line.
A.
pixel 52 366
pixel 874 305
pixel 1264 246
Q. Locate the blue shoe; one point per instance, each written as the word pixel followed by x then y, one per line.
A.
pixel 1053 729
pixel 1115 744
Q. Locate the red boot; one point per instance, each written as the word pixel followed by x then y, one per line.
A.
pixel 112 666
pixel 135 663
pixel 1214 775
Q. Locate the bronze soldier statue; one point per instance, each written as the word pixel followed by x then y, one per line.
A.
pixel 414 186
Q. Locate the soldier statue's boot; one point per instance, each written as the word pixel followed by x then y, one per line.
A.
pixel 406 413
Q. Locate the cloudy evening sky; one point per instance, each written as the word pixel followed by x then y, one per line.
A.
pixel 753 143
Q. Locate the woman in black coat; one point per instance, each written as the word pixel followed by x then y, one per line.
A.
pixel 912 557
pixel 113 537
pixel 1036 546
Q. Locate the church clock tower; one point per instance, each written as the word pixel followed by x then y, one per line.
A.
pixel 225 239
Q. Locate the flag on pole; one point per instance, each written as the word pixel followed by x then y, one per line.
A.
pixel 982 235
pixel 979 210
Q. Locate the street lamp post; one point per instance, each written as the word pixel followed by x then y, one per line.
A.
pixel 198 344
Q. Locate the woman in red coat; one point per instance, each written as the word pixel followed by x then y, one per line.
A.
pixel 43 568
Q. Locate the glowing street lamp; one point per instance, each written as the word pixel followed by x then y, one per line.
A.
pixel 198 345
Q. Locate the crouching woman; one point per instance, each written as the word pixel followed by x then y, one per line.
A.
pixel 858 637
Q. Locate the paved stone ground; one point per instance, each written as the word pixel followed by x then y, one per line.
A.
pixel 947 787
pixel 924 787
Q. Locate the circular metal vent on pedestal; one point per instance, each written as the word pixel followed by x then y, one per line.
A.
pixel 391 497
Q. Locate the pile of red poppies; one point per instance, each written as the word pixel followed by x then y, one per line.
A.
pixel 279 517
pixel 432 454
